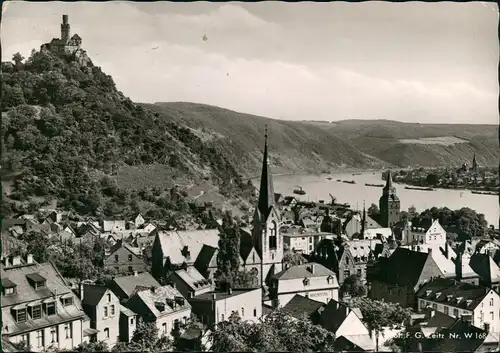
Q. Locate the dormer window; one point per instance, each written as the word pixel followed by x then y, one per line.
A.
pixel 306 281
pixel 36 281
pixel 67 300
pixel 160 306
pixel 20 315
pixel 36 312
pixel 50 308
pixel 329 279
pixel 9 287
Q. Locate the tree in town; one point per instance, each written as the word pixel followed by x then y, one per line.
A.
pixel 432 179
pixel 99 346
pixel 188 335
pixel 292 258
pixel 373 210
pixel 379 315
pixel 353 286
pixel 412 212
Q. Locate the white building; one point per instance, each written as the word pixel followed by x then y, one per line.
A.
pixel 311 280
pixel 458 299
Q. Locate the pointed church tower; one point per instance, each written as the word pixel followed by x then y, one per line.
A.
pixel 389 204
pixel 267 240
pixel 363 222
pixel 474 164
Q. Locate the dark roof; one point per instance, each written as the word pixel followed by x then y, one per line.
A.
pixel 7 283
pixel 7 223
pixel 277 196
pixel 406 267
pixel 305 270
pixel 206 255
pixel 221 295
pixel 450 292
pixel 455 340
pixel 485 267
pixel 438 320
pixel 7 346
pixel 266 190
pixel 92 294
pixel 35 277
pixel 128 283
pixel 246 244
pixel 10 243
pixel 300 306
pixel 334 315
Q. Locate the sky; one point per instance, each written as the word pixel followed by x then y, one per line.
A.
pixel 410 62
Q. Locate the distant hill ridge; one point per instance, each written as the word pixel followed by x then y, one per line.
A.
pixel 317 146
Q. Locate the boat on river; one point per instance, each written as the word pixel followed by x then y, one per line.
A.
pixel 418 188
pixel 484 193
pixel 299 191
pixel 375 185
pixel 349 181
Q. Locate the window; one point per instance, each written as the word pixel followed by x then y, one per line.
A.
pixel 106 332
pixel 130 269
pixel 242 312
pixel 54 334
pixel 164 327
pixel 306 281
pixel 36 312
pixel 131 321
pixel 255 312
pixel 67 301
pixel 68 330
pixel 347 273
pixel 109 297
pixel 21 315
pixel 112 310
pixel 347 260
pixel 50 308
pixel 10 291
pixel 310 239
pixel 26 338
pixel 130 258
pixel 253 257
pixel 434 306
pixel 116 258
pixel 39 338
pixel 492 302
pixel 176 323
pixel 222 317
pixel 360 272
pixel 492 314
pixel 105 311
pixel 446 310
pixel 455 312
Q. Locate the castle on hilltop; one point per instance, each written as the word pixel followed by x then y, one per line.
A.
pixel 67 45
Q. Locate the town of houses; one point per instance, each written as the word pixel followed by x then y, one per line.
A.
pixel 449 289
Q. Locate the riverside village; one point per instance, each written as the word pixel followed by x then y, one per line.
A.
pixel 290 274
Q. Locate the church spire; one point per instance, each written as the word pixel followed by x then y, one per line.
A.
pixel 266 191
pixel 363 221
pixel 388 183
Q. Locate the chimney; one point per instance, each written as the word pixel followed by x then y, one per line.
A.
pixel 312 268
pixel 153 289
pixel 29 259
pixel 135 274
pixel 81 290
pixel 458 266
pixel 16 260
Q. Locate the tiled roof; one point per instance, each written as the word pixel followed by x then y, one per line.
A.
pixel 161 295
pixel 128 283
pixel 205 255
pixel 405 267
pixel 26 294
pixel 364 342
pixel 450 292
pixel 222 295
pixel 299 306
pixel 172 243
pixel 451 344
pixel 305 270
pixel 193 279
pixel 485 267
pixel 126 311
pixel 9 243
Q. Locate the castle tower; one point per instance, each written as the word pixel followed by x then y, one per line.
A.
pixel 65 29
pixel 389 204
pixel 267 239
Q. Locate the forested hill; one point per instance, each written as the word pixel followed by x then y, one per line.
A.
pixel 68 132
pixel 319 146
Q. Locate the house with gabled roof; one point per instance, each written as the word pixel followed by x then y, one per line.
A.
pixel 125 258
pixel 311 280
pixel 164 306
pixel 103 308
pixel 396 279
pixel 487 269
pixel 124 286
pixel 300 307
pixel 345 323
pixel 190 282
pixel 455 299
pixel 38 308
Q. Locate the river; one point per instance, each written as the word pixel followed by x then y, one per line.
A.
pixel 318 188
